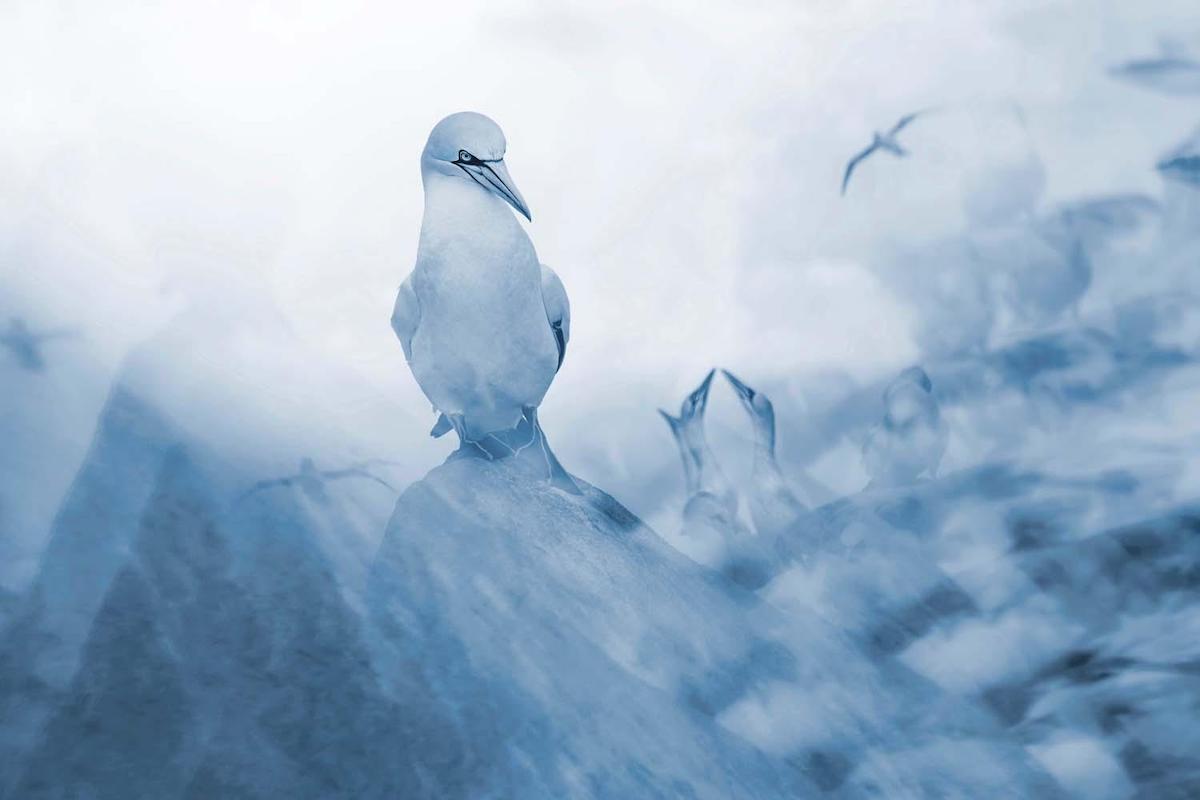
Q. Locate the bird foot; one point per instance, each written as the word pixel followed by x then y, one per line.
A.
pixel 525 443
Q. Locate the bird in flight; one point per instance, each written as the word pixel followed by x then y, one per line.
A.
pixel 311 480
pixel 881 141
pixel 1172 72
pixel 26 345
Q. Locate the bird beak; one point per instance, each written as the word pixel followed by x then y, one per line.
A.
pixel 745 393
pixel 673 422
pixel 697 400
pixel 494 177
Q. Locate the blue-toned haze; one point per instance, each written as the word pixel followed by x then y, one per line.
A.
pixel 223 519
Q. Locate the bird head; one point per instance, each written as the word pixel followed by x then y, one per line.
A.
pixel 470 147
pixel 695 403
pixel 908 399
pixel 756 403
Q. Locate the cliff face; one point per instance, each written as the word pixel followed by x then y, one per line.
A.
pixel 579 655
pixel 573 649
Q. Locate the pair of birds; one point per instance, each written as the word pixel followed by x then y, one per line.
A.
pixel 711 499
pixel 483 323
pixel 905 446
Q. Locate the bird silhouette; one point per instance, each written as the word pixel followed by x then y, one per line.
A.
pixel 1171 72
pixel 881 141
pixel 312 481
pixel 26 346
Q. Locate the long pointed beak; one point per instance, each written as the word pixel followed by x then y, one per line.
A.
pixel 744 391
pixel 673 422
pixel 493 175
pixel 698 399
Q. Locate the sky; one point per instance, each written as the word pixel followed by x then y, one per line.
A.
pixel 252 168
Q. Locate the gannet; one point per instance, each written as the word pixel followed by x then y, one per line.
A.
pixel 311 480
pixel 881 141
pixel 774 505
pixel 25 345
pixel 484 325
pixel 1182 164
pixel 713 534
pixel 1171 72
pixel 705 484
pixel 909 442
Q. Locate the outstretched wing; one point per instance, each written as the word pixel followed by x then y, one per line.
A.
pixel 558 310
pixel 355 472
pixel 904 122
pixel 406 316
pixel 854 162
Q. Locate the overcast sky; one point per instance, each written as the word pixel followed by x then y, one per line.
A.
pixel 681 161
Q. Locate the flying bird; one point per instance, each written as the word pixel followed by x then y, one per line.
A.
pixel 311 480
pixel 26 346
pixel 1171 72
pixel 484 325
pixel 881 141
pixel 1182 165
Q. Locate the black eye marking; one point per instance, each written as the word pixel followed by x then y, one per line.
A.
pixel 466 158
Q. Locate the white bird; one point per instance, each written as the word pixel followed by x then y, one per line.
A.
pixel 910 441
pixel 484 325
pixel 712 532
pixel 774 505
pixel 709 492
pixel 881 141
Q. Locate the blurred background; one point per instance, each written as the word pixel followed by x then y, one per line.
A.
pixel 250 171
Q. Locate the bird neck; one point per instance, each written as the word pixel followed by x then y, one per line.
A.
pixel 764 443
pixel 457 208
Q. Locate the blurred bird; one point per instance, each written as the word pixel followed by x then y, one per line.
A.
pixel 881 141
pixel 1096 219
pixel 1171 72
pixel 910 441
pixel 714 534
pixel 483 324
pixel 709 492
pixel 25 345
pixel 1182 165
pixel 311 480
pixel 774 505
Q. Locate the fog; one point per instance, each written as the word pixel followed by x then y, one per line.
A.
pixel 245 176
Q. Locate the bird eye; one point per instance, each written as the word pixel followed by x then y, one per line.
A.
pixel 466 157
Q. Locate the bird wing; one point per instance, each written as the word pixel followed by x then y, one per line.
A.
pixel 558 310
pixel 406 316
pixel 854 163
pixel 355 472
pixel 904 122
